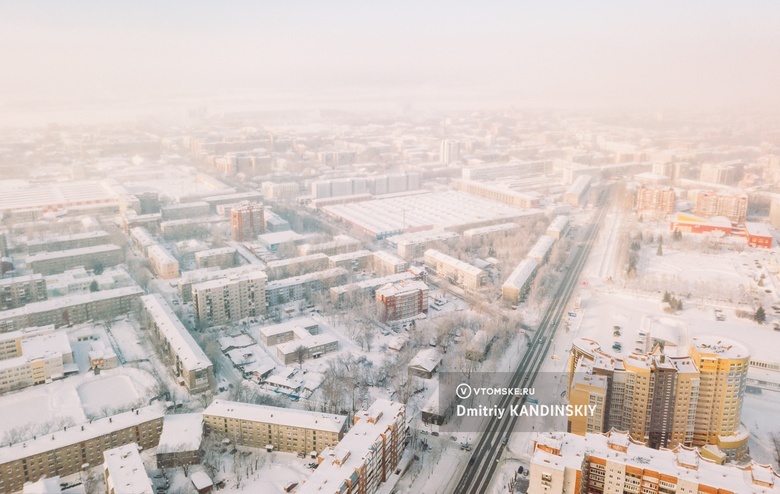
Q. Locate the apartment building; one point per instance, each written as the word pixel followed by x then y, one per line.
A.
pixel 141 238
pixel 247 221
pixel 614 463
pixel 341 244
pixel 285 268
pixel 351 261
pixel 733 206
pixel 486 234
pixel 66 451
pixel 48 263
pixel 367 455
pixel 190 278
pixel 189 363
pixel 412 245
pixel 386 264
pixel 284 429
pixel 163 263
pixel 578 190
pixel 449 151
pixel 33 357
pixel 222 258
pixel 726 173
pixel 558 227
pixel 185 210
pixel 66 242
pixel 519 281
pixel 20 291
pixel 280 191
pixel 229 299
pixel 457 271
pixel 654 200
pixel 512 169
pixel 72 309
pixel 236 198
pixel 188 227
pixel 401 300
pixel 664 400
pixel 132 220
pixel 124 472
pixel 181 441
pixel 300 287
pixel 356 293
pixel 541 250
pixel 498 193
pixel 279 239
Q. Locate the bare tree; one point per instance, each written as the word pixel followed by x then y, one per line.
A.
pixel 299 354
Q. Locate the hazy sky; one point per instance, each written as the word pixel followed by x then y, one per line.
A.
pixel 528 53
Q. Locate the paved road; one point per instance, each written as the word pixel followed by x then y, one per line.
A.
pixel 489 449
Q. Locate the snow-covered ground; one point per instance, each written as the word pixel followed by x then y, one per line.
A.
pixel 72 400
pixel 116 391
pixel 78 398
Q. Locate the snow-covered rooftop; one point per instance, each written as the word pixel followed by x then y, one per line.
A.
pixel 522 273
pixel 189 352
pixel 78 433
pixel 126 473
pixel 57 254
pixel 276 238
pixel 541 248
pixel 427 359
pixel 69 301
pixel 453 262
pixel 235 341
pixel 559 223
pixel 681 463
pixel 304 278
pixel 355 449
pixel 276 415
pixel 181 432
pixel 722 347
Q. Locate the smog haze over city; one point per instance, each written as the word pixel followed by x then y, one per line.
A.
pixel 389 247
pixel 97 59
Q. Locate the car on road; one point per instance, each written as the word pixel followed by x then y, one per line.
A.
pixel 471 460
pixel 504 440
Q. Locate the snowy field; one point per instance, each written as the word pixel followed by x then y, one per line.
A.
pixel 116 391
pixel 72 400
pixel 76 399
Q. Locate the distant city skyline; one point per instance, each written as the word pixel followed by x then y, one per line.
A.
pixel 437 55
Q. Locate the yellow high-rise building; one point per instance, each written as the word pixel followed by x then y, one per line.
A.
pixel 692 399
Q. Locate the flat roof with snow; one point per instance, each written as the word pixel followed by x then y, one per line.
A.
pixel 189 352
pixel 522 273
pixel 304 278
pixel 82 251
pixel 126 472
pixel 70 301
pixel 541 248
pixel 255 275
pixel 311 341
pixel 79 433
pixel 340 462
pixel 684 464
pixel 181 432
pixel 453 262
pixel 439 210
pixel 275 415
